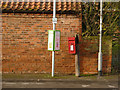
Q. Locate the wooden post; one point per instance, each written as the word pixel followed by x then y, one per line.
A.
pixel 77 62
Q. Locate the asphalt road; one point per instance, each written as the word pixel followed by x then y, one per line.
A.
pixel 61 84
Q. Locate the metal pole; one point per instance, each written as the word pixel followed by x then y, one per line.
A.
pixel 100 44
pixel 53 52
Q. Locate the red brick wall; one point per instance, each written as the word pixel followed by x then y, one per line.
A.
pixel 25 42
pixel 25 38
pixel 89 55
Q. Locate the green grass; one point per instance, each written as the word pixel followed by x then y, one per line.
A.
pixel 35 76
pixel 111 77
pixel 12 76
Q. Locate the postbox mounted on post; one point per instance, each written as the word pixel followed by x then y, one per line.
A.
pixel 71 44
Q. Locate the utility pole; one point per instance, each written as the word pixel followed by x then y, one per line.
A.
pixel 54 22
pixel 100 44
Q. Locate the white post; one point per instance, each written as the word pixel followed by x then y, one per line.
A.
pixel 53 52
pixel 100 43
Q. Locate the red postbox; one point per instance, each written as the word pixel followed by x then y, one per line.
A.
pixel 71 44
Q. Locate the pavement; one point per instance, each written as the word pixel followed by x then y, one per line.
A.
pixel 61 84
pixel 80 82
